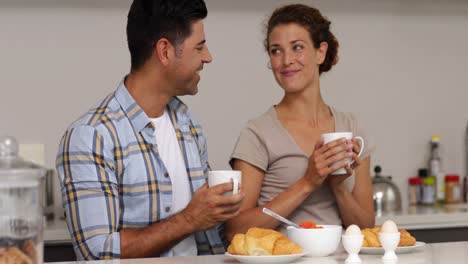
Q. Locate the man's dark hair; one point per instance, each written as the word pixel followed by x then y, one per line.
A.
pixel 151 20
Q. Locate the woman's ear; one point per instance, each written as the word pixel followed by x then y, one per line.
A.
pixel 321 52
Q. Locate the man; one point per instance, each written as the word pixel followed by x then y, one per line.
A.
pixel 132 170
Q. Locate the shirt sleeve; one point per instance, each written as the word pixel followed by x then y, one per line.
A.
pixel 204 154
pixel 90 194
pixel 251 148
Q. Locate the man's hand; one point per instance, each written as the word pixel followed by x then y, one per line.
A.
pixel 209 206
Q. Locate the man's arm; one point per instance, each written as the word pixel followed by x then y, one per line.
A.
pixel 154 239
pixel 207 208
pixel 89 188
pixel 90 194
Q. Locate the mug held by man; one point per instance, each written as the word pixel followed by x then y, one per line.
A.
pixel 224 176
pixel 329 137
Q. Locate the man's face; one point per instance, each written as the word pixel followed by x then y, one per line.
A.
pixel 191 55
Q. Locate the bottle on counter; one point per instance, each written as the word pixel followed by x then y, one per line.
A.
pixel 452 189
pixel 465 189
pixel 435 168
pixel 422 173
pixel 415 185
pixel 429 190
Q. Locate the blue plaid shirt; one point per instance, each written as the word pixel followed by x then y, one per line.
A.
pixel 113 178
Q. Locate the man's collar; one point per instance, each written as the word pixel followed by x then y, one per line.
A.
pixel 137 116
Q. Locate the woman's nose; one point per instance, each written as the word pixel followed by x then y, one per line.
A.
pixel 288 58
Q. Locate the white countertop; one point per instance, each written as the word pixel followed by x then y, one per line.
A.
pixel 414 218
pixel 429 217
pixel 441 253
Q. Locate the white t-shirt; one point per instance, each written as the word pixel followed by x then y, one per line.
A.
pixel 171 155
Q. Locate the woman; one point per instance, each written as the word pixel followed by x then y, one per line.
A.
pixel 285 166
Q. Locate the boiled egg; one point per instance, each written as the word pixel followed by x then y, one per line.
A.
pixel 353 230
pixel 389 227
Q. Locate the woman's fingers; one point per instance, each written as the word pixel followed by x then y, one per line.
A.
pixel 337 166
pixel 356 146
pixel 332 148
pixel 348 169
pixel 339 157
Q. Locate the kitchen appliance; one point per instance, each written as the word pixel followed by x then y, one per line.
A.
pixel 21 206
pixel 386 195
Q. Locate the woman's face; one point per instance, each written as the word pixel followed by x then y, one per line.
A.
pixel 294 60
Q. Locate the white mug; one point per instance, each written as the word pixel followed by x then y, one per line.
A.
pixel 328 137
pixel 222 176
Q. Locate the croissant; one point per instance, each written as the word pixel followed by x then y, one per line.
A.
pixel 406 239
pixel 262 242
pixel 14 255
pixel 371 238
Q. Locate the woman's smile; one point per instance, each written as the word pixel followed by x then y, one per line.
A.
pixel 289 73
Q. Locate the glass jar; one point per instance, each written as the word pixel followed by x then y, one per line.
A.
pixel 21 217
pixel 452 189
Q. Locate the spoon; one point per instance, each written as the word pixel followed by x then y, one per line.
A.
pixel 279 217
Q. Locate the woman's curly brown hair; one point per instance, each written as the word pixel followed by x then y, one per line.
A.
pixel 313 21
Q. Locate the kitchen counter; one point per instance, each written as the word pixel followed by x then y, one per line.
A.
pixel 56 232
pixel 453 253
pixel 429 224
pixel 429 217
pixel 413 218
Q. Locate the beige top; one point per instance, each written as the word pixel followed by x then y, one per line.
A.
pixel 266 144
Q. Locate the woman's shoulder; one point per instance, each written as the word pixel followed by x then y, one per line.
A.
pixel 263 121
pixel 342 118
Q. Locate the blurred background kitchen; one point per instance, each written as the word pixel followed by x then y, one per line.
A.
pixel 403 70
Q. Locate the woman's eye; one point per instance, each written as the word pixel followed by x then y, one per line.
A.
pixel 298 47
pixel 274 51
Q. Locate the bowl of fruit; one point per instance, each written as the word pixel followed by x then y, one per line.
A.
pixel 316 240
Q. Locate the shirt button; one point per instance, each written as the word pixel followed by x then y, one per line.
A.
pixel 166 175
pixel 168 209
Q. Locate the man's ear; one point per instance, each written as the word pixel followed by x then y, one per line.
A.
pixel 164 51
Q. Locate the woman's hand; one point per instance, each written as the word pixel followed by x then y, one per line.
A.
pixel 336 181
pixel 326 159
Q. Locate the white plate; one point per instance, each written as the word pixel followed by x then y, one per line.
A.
pixel 266 259
pixel 399 250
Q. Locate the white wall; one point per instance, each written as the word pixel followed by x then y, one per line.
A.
pixel 403 68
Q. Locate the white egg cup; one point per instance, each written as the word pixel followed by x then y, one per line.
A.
pixel 389 242
pixel 352 244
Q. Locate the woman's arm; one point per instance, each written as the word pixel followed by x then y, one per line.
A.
pixel 357 207
pixel 251 215
pixel 320 165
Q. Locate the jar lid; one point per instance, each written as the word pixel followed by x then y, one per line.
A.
pixel 452 178
pixel 415 180
pixel 15 171
pixel 429 181
pixel 422 172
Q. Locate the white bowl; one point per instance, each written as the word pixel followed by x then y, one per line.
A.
pixel 319 242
